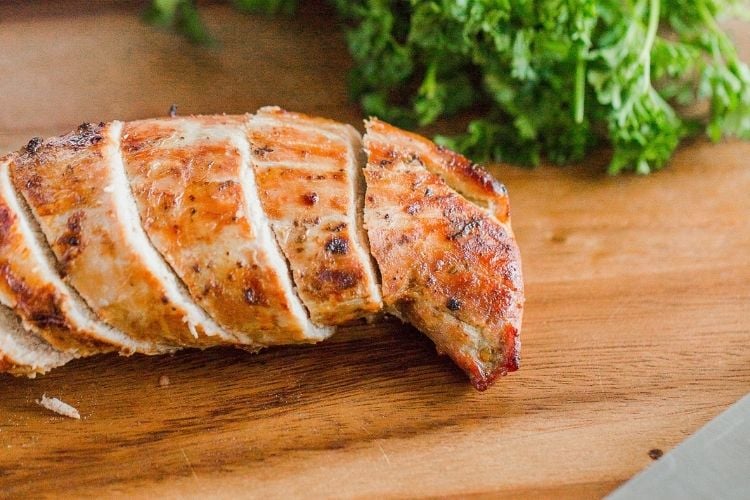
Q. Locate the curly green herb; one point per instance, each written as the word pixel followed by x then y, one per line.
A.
pixel 546 79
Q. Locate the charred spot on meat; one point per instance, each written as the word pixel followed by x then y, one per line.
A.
pixel 337 246
pixel 34 145
pixel 310 198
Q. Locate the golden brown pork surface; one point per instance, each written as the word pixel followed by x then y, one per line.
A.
pixel 193 184
pixel 449 267
pixel 31 286
pixel 252 230
pixel 309 181
pixel 76 189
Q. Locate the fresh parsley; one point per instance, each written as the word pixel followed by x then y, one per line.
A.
pixel 548 79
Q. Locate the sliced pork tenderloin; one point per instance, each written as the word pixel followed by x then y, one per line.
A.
pixel 158 222
pixel 309 175
pixel 448 266
pixel 198 202
pixel 32 287
pixel 78 192
pixel 23 352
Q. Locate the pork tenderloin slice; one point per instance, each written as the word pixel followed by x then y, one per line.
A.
pixel 198 202
pixel 464 176
pixel 449 267
pixel 31 286
pixel 310 181
pixel 76 188
pixel 23 352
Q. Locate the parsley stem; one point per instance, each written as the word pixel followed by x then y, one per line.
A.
pixel 722 48
pixel 514 59
pixel 580 84
pixel 645 56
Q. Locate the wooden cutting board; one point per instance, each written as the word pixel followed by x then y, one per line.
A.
pixel 637 327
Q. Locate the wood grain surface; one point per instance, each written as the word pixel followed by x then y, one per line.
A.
pixel 637 327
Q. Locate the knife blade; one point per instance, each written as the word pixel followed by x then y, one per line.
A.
pixel 713 463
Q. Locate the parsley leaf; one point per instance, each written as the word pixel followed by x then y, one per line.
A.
pixel 551 79
pixel 181 15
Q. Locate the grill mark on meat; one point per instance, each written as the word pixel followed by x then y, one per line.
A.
pixel 35 191
pixel 262 151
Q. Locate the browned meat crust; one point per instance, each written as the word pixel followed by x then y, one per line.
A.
pixel 169 230
pixel 450 268
pixel 189 181
pixel 308 176
pixel 27 284
pixel 71 185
